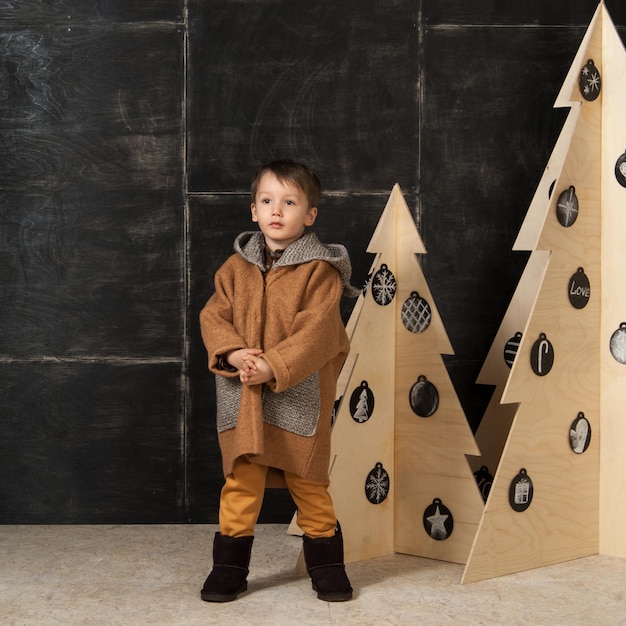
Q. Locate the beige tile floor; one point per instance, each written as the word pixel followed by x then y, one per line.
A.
pixel 136 575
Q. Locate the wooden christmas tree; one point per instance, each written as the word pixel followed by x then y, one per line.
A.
pixel 558 492
pixel 400 479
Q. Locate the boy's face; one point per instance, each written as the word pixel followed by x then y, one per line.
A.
pixel 282 211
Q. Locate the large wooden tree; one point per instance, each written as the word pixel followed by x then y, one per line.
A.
pixel 558 492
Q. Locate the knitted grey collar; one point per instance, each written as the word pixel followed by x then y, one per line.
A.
pixel 251 244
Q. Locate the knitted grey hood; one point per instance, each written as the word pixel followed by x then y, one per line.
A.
pixel 251 246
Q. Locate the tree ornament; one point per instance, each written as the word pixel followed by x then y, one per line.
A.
pixel 424 397
pixel 438 521
pixel 484 480
pixel 377 484
pixel 521 491
pixel 580 434
pixel 579 289
pixel 362 403
pixel 567 207
pixel 590 82
pixel 617 344
pixel 511 347
pixel 542 356
pixel 383 286
pixel 416 313
pixel 620 170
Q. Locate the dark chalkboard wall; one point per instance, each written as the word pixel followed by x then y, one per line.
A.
pixel 129 133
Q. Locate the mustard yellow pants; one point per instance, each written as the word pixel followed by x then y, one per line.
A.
pixel 242 497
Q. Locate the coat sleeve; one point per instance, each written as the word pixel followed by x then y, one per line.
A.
pixel 216 320
pixel 317 333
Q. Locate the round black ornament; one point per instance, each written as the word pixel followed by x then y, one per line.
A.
pixel 484 480
pixel 521 491
pixel 362 403
pixel 366 284
pixel 438 520
pixel 579 289
pixel 333 416
pixel 567 207
pixel 416 313
pixel 551 189
pixel 617 344
pixel 383 286
pixel 424 397
pixel 377 484
pixel 542 356
pixel 589 81
pixel 511 347
pixel 620 170
pixel 580 434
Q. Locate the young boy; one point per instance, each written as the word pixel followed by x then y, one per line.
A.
pixel 276 342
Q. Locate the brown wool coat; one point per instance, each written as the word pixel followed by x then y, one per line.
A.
pixel 292 313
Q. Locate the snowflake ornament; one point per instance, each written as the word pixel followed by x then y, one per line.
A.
pixel 383 286
pixel 377 484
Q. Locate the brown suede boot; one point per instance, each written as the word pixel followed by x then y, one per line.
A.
pixel 231 558
pixel 324 563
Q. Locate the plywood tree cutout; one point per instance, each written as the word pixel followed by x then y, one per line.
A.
pixel 494 427
pixel 495 424
pixel 558 495
pixel 400 438
pixel 362 477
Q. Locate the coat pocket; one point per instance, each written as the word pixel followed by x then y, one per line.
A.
pixel 297 409
pixel 228 393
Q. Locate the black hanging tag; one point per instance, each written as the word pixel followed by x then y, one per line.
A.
pixel 383 286
pixel 416 313
pixel 511 347
pixel 521 491
pixel 377 484
pixel 590 82
pixel 567 207
pixel 542 356
pixel 580 434
pixel 362 403
pixel 424 397
pixel 579 289
pixel 438 520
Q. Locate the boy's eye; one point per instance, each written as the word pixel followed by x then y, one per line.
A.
pixel 289 202
pixel 265 201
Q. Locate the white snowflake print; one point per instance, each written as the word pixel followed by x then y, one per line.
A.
pixel 384 286
pixel 377 484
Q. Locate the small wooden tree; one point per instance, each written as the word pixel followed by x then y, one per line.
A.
pixel 400 479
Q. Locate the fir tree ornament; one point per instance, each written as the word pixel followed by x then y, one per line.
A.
pixel 362 403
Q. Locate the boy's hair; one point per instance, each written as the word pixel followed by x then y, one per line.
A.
pixel 289 171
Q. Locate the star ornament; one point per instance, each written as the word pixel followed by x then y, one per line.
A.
pixel 438 521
